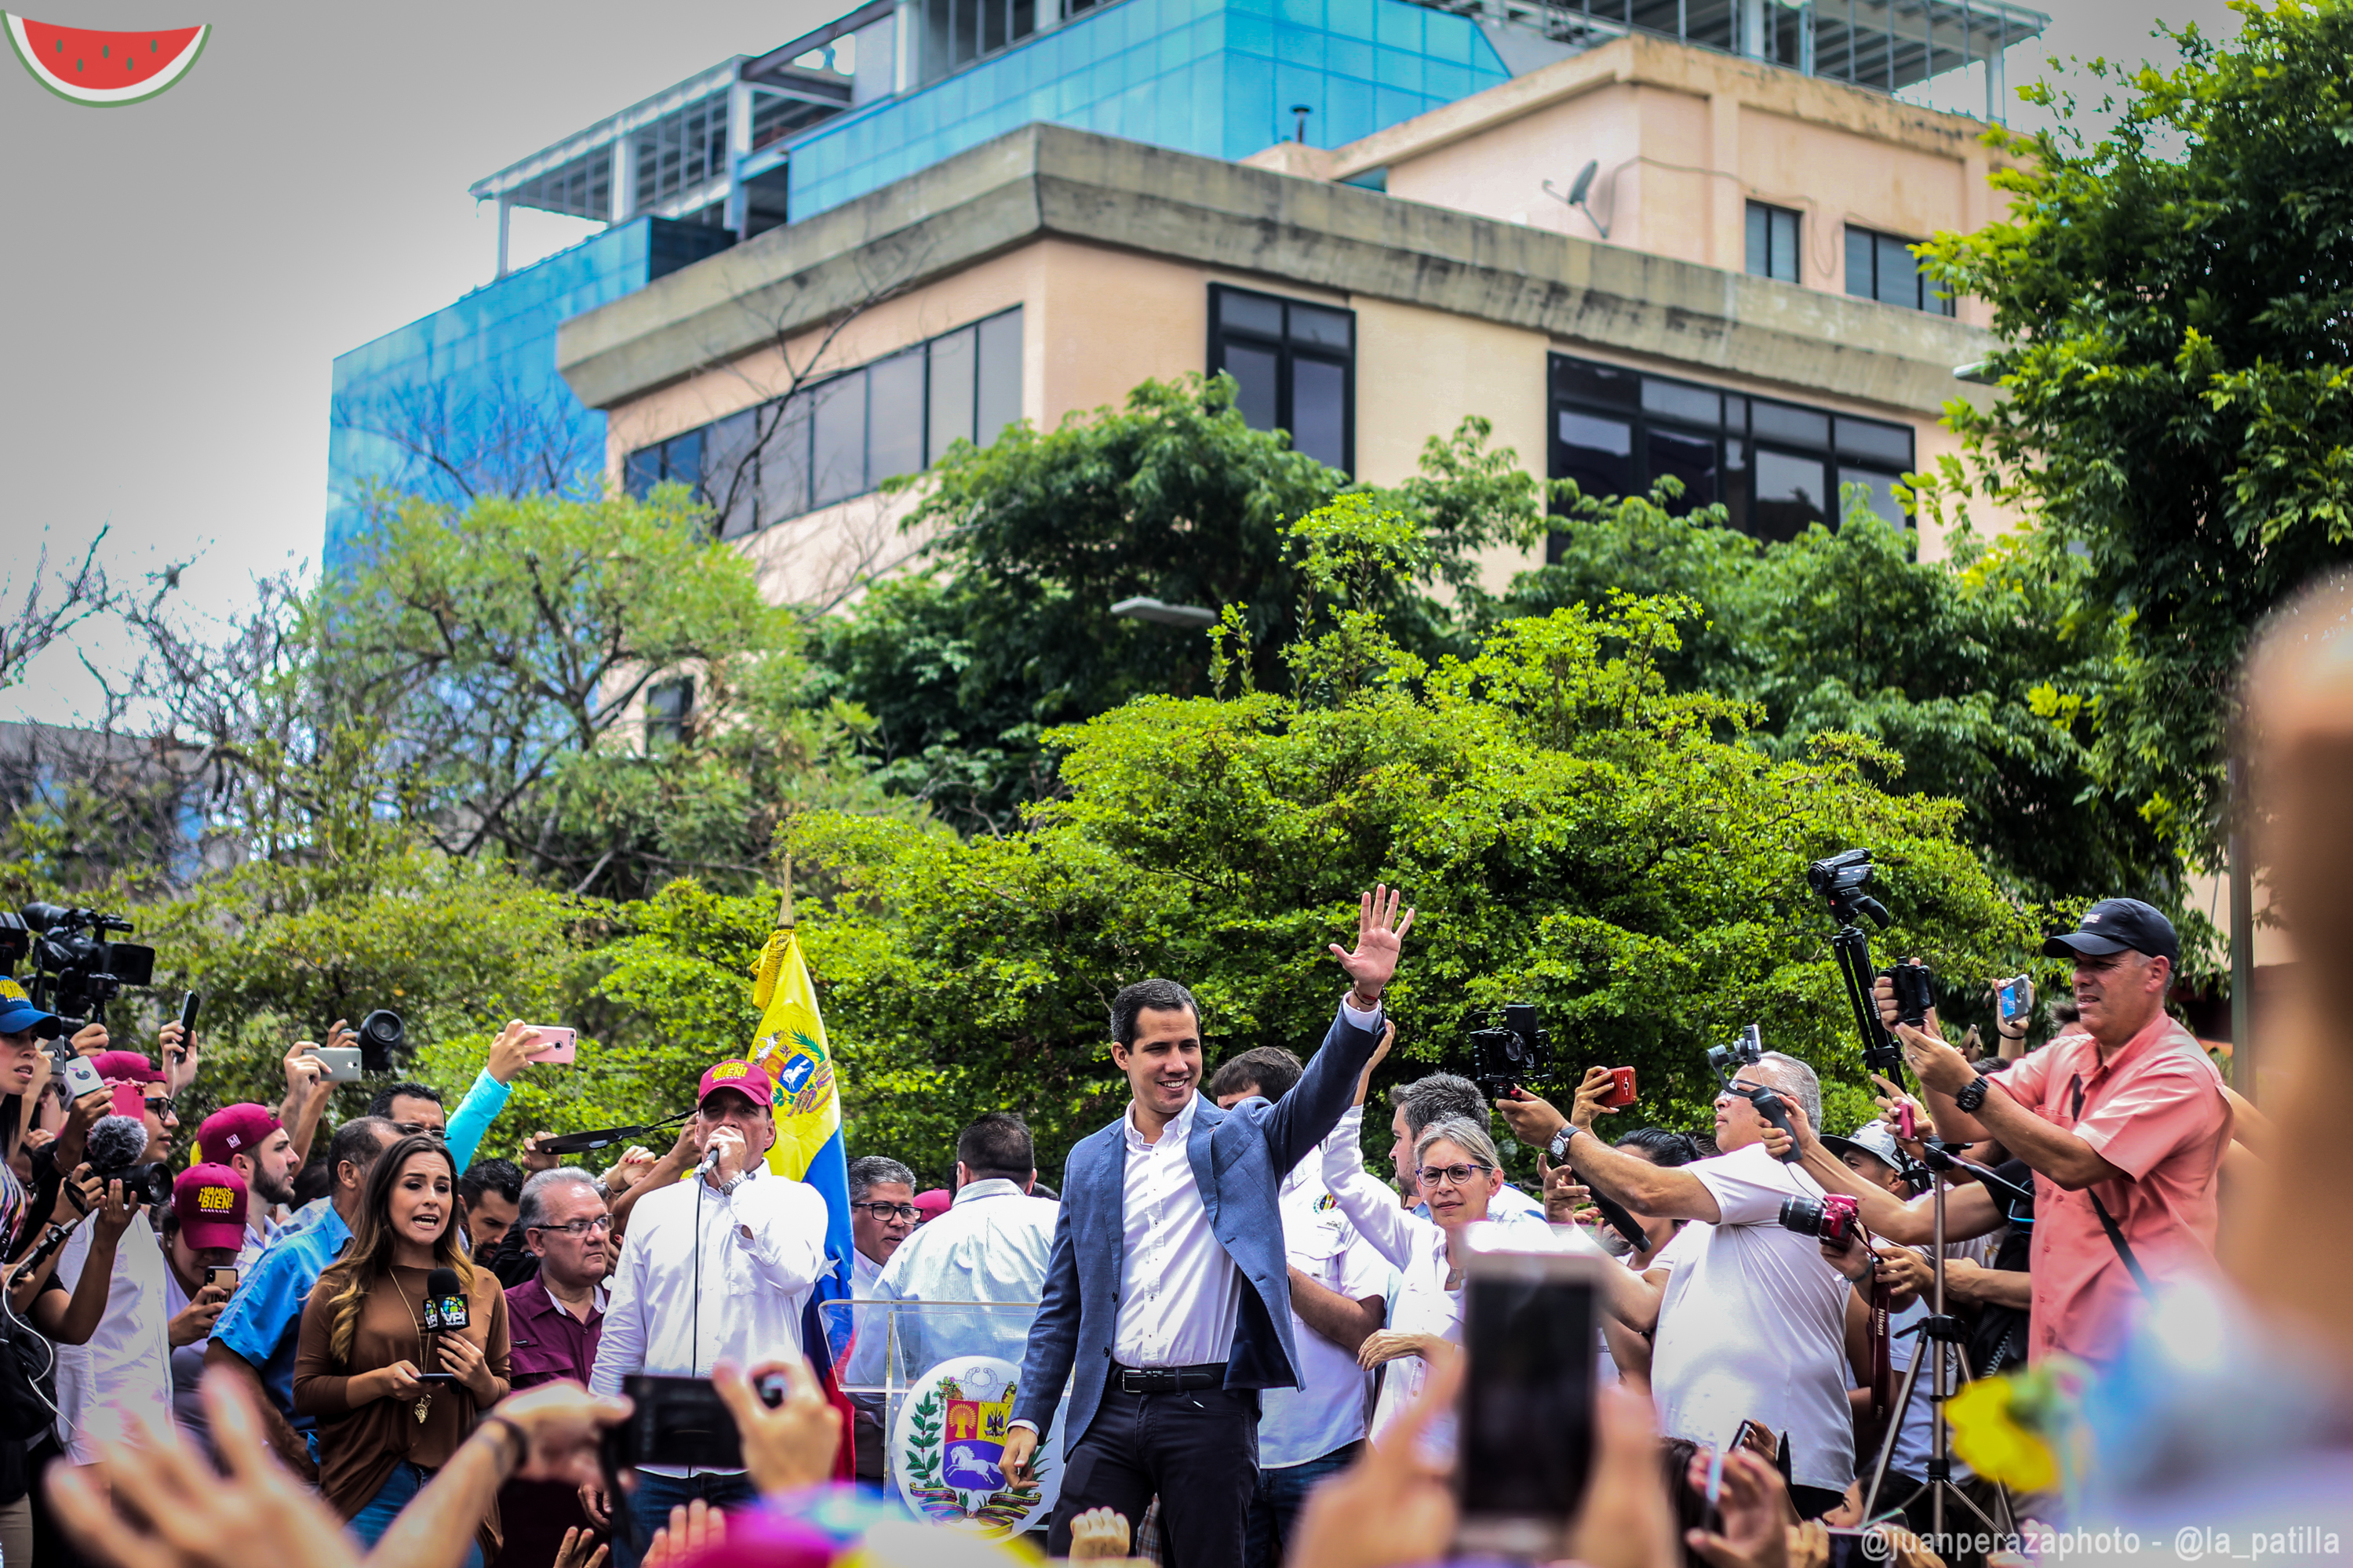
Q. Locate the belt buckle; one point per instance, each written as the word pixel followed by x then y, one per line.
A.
pixel 1153 1380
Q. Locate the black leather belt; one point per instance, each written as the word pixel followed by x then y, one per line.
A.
pixel 1167 1379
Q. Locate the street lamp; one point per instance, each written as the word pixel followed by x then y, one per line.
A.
pixel 1191 617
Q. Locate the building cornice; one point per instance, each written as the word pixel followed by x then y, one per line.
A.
pixel 1045 182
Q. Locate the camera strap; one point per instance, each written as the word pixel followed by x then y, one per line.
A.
pixel 1882 1354
pixel 2107 1220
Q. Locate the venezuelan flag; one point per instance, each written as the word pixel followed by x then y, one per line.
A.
pixel 790 1049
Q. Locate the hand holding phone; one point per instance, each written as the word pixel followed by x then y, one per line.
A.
pixel 556 1044
pixel 2014 999
pixel 224 1277
pixel 343 1062
pixel 1621 1089
pixel 1526 1437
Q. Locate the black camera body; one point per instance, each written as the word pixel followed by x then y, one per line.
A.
pixel 1834 1218
pixel 1746 1051
pixel 1913 998
pixel 1501 1059
pixel 79 971
pixel 1841 879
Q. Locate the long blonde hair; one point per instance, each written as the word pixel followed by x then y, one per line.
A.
pixel 369 1252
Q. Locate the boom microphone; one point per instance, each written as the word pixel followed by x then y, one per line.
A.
pixel 116 1142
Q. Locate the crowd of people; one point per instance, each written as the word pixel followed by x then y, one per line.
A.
pixel 1247 1345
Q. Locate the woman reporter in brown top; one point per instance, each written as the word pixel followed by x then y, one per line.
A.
pixel 383 1428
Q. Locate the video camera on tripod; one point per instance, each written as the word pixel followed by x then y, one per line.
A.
pixel 77 969
pixel 1504 1058
pixel 1843 880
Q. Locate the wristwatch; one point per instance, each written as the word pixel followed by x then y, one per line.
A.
pixel 1557 1149
pixel 1973 1093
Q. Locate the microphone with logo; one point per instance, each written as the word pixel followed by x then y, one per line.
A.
pixel 445 1313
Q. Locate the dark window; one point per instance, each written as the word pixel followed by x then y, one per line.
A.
pixel 1880 266
pixel 1295 368
pixel 669 707
pixel 1775 466
pixel 845 436
pixel 1772 242
pixel 677 461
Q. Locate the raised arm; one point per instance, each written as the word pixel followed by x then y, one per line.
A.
pixel 1370 1203
pixel 1300 1120
pixel 1662 1192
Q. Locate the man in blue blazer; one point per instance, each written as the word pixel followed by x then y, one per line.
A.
pixel 1167 1300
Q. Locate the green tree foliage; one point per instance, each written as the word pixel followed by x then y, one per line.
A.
pixel 2176 302
pixel 1574 831
pixel 964 665
pixel 1954 668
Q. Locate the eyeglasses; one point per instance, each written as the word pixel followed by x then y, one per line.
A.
pixel 886 1213
pixel 1454 1175
pixel 579 1227
pixel 416 1130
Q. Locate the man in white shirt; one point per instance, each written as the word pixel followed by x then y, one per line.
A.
pixel 1167 1302
pixel 991 1245
pixel 1752 1322
pixel 1339 1295
pixel 714 1269
pixel 881 1217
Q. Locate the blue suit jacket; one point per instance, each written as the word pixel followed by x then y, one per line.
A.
pixel 1240 1158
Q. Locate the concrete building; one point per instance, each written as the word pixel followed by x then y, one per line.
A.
pixel 1753 325
pixel 806 217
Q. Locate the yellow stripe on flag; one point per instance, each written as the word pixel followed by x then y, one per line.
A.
pixel 790 1049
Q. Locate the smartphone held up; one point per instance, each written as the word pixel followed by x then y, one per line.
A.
pixel 1526 1435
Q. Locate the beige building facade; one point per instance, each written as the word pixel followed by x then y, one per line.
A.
pixel 1368 297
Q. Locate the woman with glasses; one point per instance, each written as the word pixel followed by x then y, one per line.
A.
pixel 1459 1172
pixel 362 1364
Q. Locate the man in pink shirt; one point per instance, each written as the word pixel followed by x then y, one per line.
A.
pixel 2124 1124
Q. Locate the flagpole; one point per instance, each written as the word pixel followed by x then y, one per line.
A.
pixel 785 910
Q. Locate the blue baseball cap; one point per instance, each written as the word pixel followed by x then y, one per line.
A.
pixel 18 1015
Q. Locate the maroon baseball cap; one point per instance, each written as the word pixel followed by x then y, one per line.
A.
pixel 933 1203
pixel 210 1202
pixel 739 1075
pixel 235 1129
pixel 125 1067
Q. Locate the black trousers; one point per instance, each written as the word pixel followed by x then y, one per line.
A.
pixel 1195 1450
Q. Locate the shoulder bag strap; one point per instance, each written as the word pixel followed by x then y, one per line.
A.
pixel 2107 1220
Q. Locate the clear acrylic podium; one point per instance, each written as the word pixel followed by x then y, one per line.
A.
pixel 886 1353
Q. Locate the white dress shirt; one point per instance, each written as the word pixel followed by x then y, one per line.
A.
pixel 763 1248
pixel 1326 1411
pixel 127 1364
pixel 863 1272
pixel 992 1245
pixel 1179 1292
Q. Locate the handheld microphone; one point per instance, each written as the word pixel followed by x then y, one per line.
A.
pixel 709 1162
pixel 445 1311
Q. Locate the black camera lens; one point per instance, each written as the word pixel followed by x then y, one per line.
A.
pixel 1834 1223
pixel 382 1035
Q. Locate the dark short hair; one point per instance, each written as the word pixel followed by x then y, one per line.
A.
pixel 1160 995
pixel 1269 1069
pixel 382 1104
pixel 1436 1098
pixel 1663 1147
pixel 357 1142
pixel 315 1180
pixel 504 1177
pixel 870 1171
pixel 997 1146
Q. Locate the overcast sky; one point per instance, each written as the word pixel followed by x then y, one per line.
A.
pixel 182 272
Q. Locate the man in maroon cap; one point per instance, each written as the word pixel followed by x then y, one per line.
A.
pixel 717 1268
pixel 202 1232
pixel 249 1140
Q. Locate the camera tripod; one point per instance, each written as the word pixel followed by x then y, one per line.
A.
pixel 1942 1333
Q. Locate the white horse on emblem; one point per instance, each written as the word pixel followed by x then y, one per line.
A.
pixel 968 1469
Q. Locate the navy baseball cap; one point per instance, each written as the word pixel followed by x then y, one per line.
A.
pixel 19 1016
pixel 2112 925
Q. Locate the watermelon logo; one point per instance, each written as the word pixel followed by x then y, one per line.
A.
pixel 104 68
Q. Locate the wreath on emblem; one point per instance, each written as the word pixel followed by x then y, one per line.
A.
pixel 997 1512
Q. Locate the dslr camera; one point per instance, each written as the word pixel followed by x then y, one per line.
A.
pixel 1833 1217
pixel 78 970
pixel 1501 1059
pixel 114 1147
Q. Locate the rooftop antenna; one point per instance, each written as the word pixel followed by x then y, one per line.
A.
pixel 1578 191
pixel 1302 111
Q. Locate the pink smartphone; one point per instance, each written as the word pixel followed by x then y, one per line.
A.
pixel 556 1044
pixel 129 1099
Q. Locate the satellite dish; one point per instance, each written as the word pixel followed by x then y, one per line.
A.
pixel 1577 192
